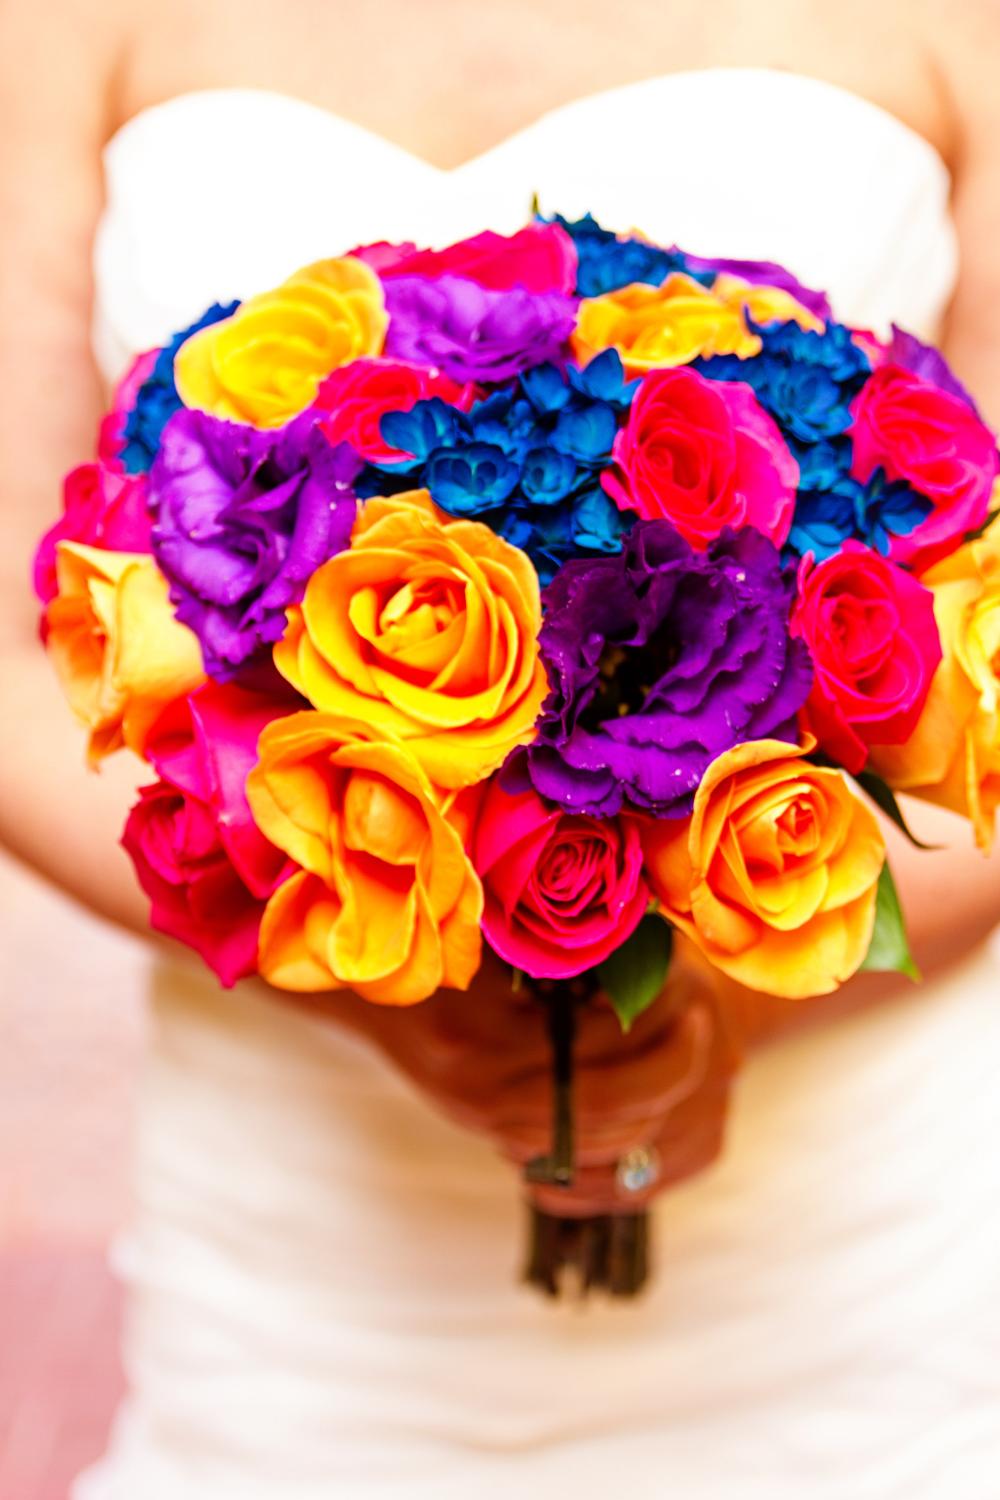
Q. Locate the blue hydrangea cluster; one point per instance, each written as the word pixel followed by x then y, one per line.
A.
pixel 526 460
pixel 832 507
pixel 806 380
pixel 157 399
pixel 607 261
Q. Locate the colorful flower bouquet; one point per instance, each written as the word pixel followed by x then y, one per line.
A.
pixel 558 592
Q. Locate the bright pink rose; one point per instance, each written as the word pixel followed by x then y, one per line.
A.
pixel 111 434
pixel 102 508
pixel 704 455
pixel 870 629
pixel 934 440
pixel 540 258
pixel 382 255
pixel 199 856
pixel 561 891
pixel 357 397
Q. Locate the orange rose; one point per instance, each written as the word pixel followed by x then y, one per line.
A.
pixel 654 327
pixel 264 363
pixel 953 755
pixel 426 628
pixel 120 653
pixel 775 874
pixel 387 902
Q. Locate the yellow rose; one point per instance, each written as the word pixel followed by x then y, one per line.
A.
pixel 264 364
pixel 765 304
pixel 120 654
pixel 387 902
pixel 426 628
pixel 775 874
pixel 953 755
pixel 655 327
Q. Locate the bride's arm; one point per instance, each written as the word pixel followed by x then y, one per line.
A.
pixel 967 45
pixel 54 64
pixel 952 897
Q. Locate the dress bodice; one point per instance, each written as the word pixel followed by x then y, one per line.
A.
pixel 221 193
pixel 322 1300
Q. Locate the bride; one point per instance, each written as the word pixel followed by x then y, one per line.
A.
pixel 320 1267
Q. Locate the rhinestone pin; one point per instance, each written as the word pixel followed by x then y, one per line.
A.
pixel 637 1170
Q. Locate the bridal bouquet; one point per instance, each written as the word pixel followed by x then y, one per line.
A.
pixel 556 592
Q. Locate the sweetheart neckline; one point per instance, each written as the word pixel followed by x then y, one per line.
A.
pixel 783 75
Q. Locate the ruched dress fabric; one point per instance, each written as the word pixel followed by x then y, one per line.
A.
pixel 322 1272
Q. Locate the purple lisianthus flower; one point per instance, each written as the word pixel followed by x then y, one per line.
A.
pixel 470 332
pixel 659 659
pixel 242 520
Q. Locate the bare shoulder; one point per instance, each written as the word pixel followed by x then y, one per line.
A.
pixel 963 38
pixel 57 59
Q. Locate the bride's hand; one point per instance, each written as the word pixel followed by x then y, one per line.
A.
pixel 484 1056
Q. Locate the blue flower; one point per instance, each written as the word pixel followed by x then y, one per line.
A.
pixel 586 432
pixel 604 380
pixel 526 460
pixel 832 507
pixel 806 380
pixel 587 524
pixel 887 508
pixel 545 388
pixel 157 399
pixel 548 476
pixel 509 421
pixel 607 262
pixel 427 426
pixel 471 478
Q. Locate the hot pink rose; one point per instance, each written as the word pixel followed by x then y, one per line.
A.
pixel 102 508
pixel 870 629
pixel 934 440
pixel 382 255
pixel 111 435
pixel 704 455
pixel 199 856
pixel 357 397
pixel 561 891
pixel 539 257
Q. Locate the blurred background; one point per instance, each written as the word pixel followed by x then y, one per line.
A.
pixel 68 1064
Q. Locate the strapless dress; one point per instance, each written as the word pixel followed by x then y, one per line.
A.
pixel 321 1271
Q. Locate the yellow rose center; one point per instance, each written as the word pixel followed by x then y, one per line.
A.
pixel 418 626
pixel 777 834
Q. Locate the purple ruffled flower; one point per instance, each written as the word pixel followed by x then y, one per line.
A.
pixel 243 519
pixel 470 332
pixel 660 658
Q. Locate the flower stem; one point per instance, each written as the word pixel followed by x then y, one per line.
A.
pixel 557 1168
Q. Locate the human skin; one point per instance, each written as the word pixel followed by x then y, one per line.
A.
pixel 451 83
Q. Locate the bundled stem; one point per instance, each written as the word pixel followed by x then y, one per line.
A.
pixel 610 1250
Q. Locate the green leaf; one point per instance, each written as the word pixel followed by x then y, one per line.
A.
pixel 633 975
pixel 534 205
pixel 885 798
pixel 889 950
pixel 973 536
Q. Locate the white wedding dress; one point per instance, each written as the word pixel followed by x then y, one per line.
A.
pixel 322 1271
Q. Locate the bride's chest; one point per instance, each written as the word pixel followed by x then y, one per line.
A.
pixel 449 79
pixel 218 193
